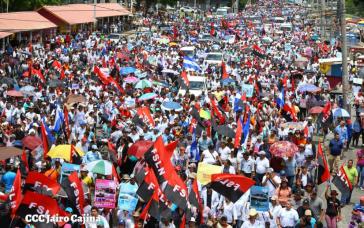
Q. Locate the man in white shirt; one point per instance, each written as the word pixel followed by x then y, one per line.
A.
pixel 252 220
pixel 288 217
pixel 224 151
pixel 261 166
pixel 247 165
pixel 274 209
pixel 271 181
pixel 210 156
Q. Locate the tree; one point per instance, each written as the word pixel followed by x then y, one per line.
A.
pixel 26 5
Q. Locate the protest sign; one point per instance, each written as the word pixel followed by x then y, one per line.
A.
pixel 127 202
pixel 247 89
pixel 259 198
pixel 105 193
pixel 204 172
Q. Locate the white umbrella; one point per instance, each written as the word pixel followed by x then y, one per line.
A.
pixel 340 112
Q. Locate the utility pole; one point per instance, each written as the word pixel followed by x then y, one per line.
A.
pixel 95 20
pixel 344 51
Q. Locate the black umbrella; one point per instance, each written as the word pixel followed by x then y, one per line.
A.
pixel 224 130
pixel 55 83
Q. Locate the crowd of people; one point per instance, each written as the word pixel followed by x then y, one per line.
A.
pixel 107 99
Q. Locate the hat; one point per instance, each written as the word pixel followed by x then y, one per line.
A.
pixel 274 197
pixel 252 212
pixel 262 152
pixel 305 201
pixel 126 177
pixel 31 131
pixel 270 170
pixel 193 219
pixel 308 212
pixel 68 209
pixel 94 147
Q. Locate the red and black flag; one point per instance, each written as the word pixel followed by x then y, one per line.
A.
pixel 171 147
pixel 230 185
pixel 73 188
pixel 38 74
pixel 37 204
pixel 24 159
pixel 184 78
pixel 40 183
pixel 101 75
pixel 216 111
pixel 176 190
pixel 258 51
pixel 143 117
pixel 224 74
pixel 341 180
pixel 44 139
pixel 238 133
pixel 15 195
pixel 326 112
pixel 323 173
pixel 148 185
pixel 67 128
pixel 57 65
pixel 113 82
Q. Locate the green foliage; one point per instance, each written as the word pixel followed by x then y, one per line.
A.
pixel 242 3
pixel 355 7
pixel 25 5
pixel 168 2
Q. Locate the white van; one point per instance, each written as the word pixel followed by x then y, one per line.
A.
pixel 223 12
pixel 189 51
pixel 197 86
pixel 214 58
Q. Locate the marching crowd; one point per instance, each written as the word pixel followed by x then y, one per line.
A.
pixel 106 101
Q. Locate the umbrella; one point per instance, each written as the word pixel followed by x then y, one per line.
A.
pixel 227 81
pixel 316 110
pixel 171 105
pixel 75 98
pixel 293 125
pixel 131 80
pixel 139 148
pixel 14 93
pixel 147 96
pixel 283 149
pixel 8 152
pixel 308 88
pixel 127 70
pixel 143 84
pixel 205 114
pixel 62 193
pixel 162 83
pixel 27 90
pixel 169 71
pixel 140 74
pixel 267 40
pixel 31 142
pixel 340 112
pixel 55 83
pixel 225 131
pixel 102 167
pixel 64 151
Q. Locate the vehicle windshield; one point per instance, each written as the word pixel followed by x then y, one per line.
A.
pixel 214 57
pixel 114 36
pixel 196 85
pixel 221 12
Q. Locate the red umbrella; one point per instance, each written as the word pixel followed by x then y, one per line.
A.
pixel 14 93
pixel 283 149
pixel 316 110
pixel 139 148
pixel 31 142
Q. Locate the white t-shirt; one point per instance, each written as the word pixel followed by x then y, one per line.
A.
pixel 261 165
pixel 210 158
pixel 269 184
pixel 288 218
pixel 224 153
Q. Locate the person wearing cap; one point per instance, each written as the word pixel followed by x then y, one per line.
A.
pixel 305 206
pixel 317 205
pixel 128 185
pixel 274 210
pixel 307 221
pixel 333 208
pixel 92 155
pixel 204 142
pixel 271 181
pixel 252 220
pixel 261 166
pixel 287 217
